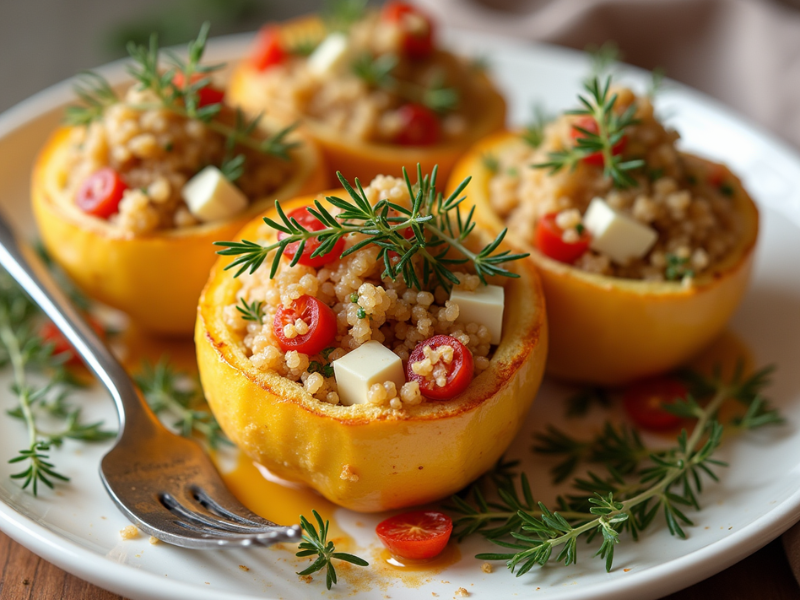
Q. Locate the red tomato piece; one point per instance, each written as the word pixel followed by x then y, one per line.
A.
pixel 416 535
pixel 459 372
pixel 548 238
pixel 208 94
pixel 319 317
pixel 644 402
pixel 52 335
pixel 419 126
pixel 311 223
pixel 417 28
pixel 589 124
pixel 268 49
pixel 101 193
pixel 716 173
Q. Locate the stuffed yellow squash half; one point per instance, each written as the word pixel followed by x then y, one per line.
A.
pixel 644 251
pixel 371 347
pixel 374 89
pixel 131 195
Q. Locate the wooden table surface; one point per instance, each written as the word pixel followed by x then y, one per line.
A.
pixel 764 576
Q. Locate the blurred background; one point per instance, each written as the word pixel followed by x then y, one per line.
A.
pixel 746 53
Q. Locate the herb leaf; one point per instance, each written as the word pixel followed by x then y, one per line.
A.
pixel 316 543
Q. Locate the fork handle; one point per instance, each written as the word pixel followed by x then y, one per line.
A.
pixel 33 276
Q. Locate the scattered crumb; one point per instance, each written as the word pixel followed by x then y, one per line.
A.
pixel 462 592
pixel 307 578
pixel 207 583
pixel 444 581
pixel 487 568
pixel 434 594
pixel 26 582
pixel 626 570
pixel 348 474
pixel 154 540
pixel 103 518
pixel 129 533
pixel 729 528
pixel 243 568
pixel 707 527
pixel 359 524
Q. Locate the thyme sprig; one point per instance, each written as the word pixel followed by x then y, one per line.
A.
pixel 184 100
pixel 316 543
pixel 378 72
pixel 171 393
pixel 254 311
pixel 599 104
pixel 439 227
pixel 640 482
pixel 32 358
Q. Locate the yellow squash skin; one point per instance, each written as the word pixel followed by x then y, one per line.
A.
pixel 156 278
pixel 357 456
pixel 611 331
pixel 359 159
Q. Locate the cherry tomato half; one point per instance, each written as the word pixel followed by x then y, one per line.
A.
pixel 459 372
pixel 268 49
pixel 310 222
pixel 101 193
pixel 415 535
pixel 208 94
pixel 321 322
pixel 419 126
pixel 417 28
pixel 52 335
pixel 548 238
pixel 589 124
pixel 644 402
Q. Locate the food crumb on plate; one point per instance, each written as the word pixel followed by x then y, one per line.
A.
pixel 462 592
pixel 307 578
pixel 348 474
pixel 487 568
pixel 129 533
pixel 243 568
pixel 154 540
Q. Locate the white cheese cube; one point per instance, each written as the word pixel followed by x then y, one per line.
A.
pixel 484 306
pixel 368 364
pixel 330 55
pixel 619 236
pixel 211 197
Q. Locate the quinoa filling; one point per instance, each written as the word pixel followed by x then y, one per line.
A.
pixel 155 152
pixel 366 308
pixel 684 200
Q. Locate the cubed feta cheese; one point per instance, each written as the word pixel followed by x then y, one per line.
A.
pixel 617 235
pixel 368 364
pixel 330 55
pixel 484 306
pixel 211 197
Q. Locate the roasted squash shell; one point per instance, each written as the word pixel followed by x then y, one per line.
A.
pixel 361 457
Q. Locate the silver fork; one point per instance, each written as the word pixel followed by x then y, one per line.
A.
pixel 165 484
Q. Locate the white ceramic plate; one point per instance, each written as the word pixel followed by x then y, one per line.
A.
pixel 77 526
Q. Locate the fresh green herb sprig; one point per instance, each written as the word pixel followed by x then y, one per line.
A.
pixel 183 100
pixel 254 311
pixel 579 403
pixel 628 499
pixel 437 222
pixel 599 105
pixel 378 72
pixel 316 543
pixel 22 348
pixel 174 394
pixel 341 15
pixel 677 268
pixel 533 133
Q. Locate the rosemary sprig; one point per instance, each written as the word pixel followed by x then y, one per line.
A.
pixel 251 312
pixel 316 543
pixel 183 100
pixel 631 496
pixel 378 72
pixel 437 222
pixel 533 134
pixel 174 394
pixel 27 353
pixel 341 15
pixel 610 130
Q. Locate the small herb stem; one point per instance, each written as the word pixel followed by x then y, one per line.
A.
pixel 18 365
